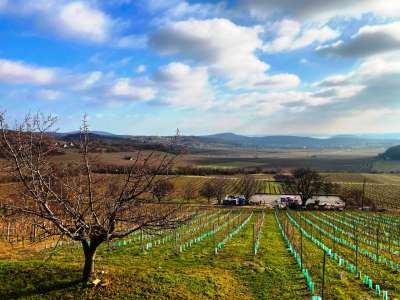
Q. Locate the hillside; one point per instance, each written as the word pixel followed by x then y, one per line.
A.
pixel 298 142
pixel 105 142
pixel 224 141
pixel 393 153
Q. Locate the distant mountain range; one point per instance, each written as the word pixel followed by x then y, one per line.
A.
pixel 375 136
pixel 297 142
pixel 231 140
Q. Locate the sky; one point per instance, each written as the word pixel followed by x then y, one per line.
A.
pixel 256 67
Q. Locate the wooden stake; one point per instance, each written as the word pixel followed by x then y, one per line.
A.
pixel 254 236
pixel 141 240
pixel 301 249
pixel 323 277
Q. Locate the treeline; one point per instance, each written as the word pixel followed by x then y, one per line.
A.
pixel 72 170
pixel 103 147
pixel 185 170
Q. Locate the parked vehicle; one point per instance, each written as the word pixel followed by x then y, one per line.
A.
pixel 235 200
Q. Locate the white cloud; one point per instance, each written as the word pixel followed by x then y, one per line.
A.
pixel 227 49
pixel 131 41
pixel 369 40
pixel 140 69
pixel 94 86
pixel 88 80
pixel 290 36
pixel 280 81
pixel 48 94
pixel 267 104
pixel 367 120
pixel 348 91
pixel 20 73
pixel 80 20
pixel 364 99
pixel 380 65
pixel 370 69
pixel 176 10
pixel 183 86
pixel 125 88
pixel 321 10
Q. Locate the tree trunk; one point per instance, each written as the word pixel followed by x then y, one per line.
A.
pixel 89 250
pixel 304 201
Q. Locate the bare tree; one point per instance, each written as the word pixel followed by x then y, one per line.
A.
pixel 162 188
pixel 247 186
pixel 73 201
pixel 329 187
pixel 208 190
pixel 189 191
pixel 306 183
pixel 354 197
pixel 219 188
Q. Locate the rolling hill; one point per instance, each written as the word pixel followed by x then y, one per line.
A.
pixel 393 153
pixel 113 142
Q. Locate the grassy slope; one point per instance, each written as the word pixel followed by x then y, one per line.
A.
pixel 195 274
pixel 339 284
pixel 282 279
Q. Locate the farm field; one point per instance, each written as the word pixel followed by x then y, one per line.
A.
pixel 348 164
pixel 225 254
pixel 267 186
pixel 382 189
pixel 190 270
pixel 360 252
pixel 325 161
pixel 343 177
pixel 386 166
pixel 361 160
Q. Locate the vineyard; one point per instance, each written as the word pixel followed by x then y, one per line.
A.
pixel 357 249
pixel 382 195
pixel 382 190
pixel 220 254
pixel 230 254
pixel 224 253
pixel 19 231
pixel 263 185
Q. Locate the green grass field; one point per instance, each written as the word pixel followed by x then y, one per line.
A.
pixel 161 274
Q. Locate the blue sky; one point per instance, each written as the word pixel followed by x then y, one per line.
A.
pixel 246 66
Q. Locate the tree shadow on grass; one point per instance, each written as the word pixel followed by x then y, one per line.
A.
pixel 27 279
